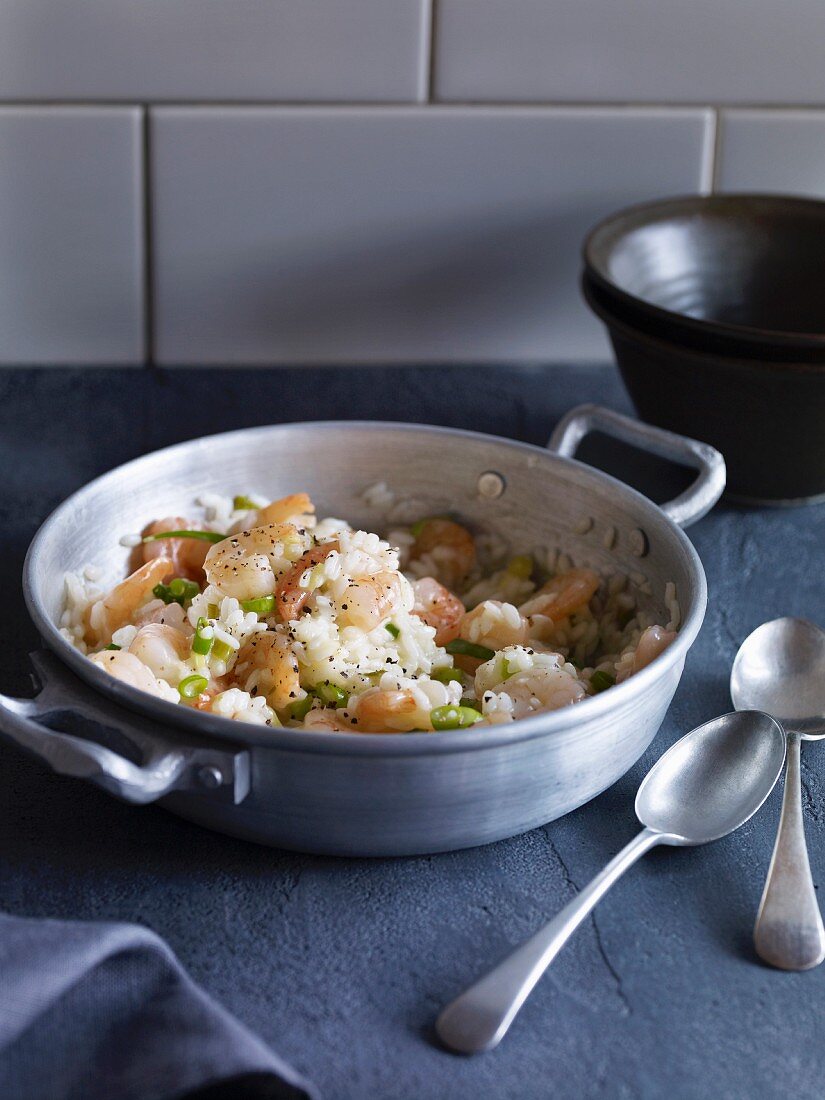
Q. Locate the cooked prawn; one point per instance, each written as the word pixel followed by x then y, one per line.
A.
pixel 290 594
pixel 653 641
pixel 327 721
pixel 450 547
pixel 166 614
pixel 163 650
pixel 116 609
pixel 438 608
pixel 527 682
pixel 186 554
pixel 370 600
pixel 247 565
pixel 395 711
pixel 266 665
pixel 563 595
pixel 539 689
pixel 495 625
pixel 127 668
pixel 297 507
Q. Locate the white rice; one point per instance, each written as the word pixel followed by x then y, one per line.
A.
pixel 379 496
pixel 241 706
pixel 80 592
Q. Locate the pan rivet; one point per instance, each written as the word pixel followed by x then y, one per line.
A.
pixel 491 485
pixel 639 543
pixel 211 777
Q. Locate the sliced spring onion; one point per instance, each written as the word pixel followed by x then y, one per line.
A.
pixel 161 592
pixel 420 524
pixel 447 675
pixel 192 686
pixel 454 718
pixel 264 605
pixel 182 587
pixel 392 629
pixel 221 651
pixel 243 503
pixel 300 708
pixel 177 591
pixel 601 681
pixel 112 645
pixel 331 694
pixel 205 536
pixel 202 641
pixel 521 566
pixel 469 649
pixel 314 578
pixel 212 610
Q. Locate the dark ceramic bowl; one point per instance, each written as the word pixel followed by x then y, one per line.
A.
pixel 741 275
pixel 767 418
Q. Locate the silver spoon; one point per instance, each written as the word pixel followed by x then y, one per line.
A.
pixel 780 668
pixel 708 784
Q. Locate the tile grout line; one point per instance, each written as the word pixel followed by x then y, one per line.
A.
pixel 415 104
pixel 148 251
pixel 430 32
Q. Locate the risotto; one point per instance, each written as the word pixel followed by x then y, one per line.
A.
pixel 260 612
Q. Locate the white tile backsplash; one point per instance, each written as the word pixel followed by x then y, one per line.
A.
pixel 367 180
pixel 214 49
pixel 403 235
pixel 664 51
pixel 71 236
pixel 773 151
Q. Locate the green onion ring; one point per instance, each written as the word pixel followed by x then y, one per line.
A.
pixel 451 717
pixel 469 649
pixel 264 605
pixel 192 686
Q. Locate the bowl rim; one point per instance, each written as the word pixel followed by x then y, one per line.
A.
pixel 171 717
pixel 612 319
pixel 617 224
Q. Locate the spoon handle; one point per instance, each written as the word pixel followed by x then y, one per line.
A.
pixel 480 1017
pixel 789 932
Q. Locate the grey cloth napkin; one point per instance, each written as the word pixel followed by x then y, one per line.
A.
pixel 105 1011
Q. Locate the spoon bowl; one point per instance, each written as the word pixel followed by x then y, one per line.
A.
pixel 780 669
pixel 713 779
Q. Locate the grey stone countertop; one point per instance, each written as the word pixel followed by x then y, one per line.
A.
pixel 342 965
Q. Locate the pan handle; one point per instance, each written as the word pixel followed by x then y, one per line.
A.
pixel 696 501
pixel 160 767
